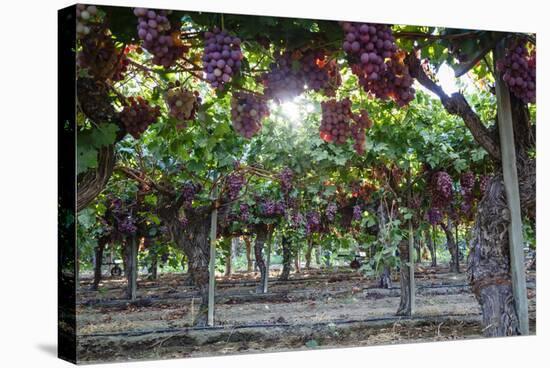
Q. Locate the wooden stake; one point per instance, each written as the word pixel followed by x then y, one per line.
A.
pixel 511 187
pixel 212 264
pixel 411 252
pixel 268 261
pixel 133 268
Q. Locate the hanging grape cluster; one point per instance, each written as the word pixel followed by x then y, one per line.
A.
pixel 519 71
pixel 85 14
pixel 375 60
pixel 121 213
pixel 235 183
pixel 358 131
pixel 285 79
pixel 247 112
pixel 100 57
pixel 357 213
pixel 138 115
pixel 285 178
pixel 434 216
pixel 441 189
pixel 296 220
pixel 335 121
pixel 313 222
pixel 271 208
pixel 483 184
pixel 182 103
pixel 221 58
pixel 320 73
pixel 330 211
pixel 159 37
pixel 188 192
pixel 244 210
pixel 467 184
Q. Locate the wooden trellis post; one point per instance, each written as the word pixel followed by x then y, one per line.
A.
pixel 132 274
pixel 212 264
pixel 267 263
pixel 511 187
pixel 411 251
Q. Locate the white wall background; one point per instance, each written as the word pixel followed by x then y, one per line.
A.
pixel 28 33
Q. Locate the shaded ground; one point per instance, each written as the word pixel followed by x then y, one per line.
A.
pixel 321 308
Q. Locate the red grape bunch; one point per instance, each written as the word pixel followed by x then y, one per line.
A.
pixel 221 58
pixel 467 183
pixel 441 188
pixel 138 115
pixel 358 131
pixel 394 82
pixel 271 208
pixel 313 222
pixel 235 183
pixel 247 112
pixel 367 46
pixel 285 79
pixel 159 37
pixel 319 73
pixel 374 58
pixel 483 184
pixel 519 71
pixel 357 213
pixel 285 178
pixel 100 56
pixel 244 212
pixel 85 14
pixel 434 216
pixel 182 103
pixel 188 192
pixel 335 121
pixel 330 211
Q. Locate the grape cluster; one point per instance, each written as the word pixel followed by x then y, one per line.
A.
pixel 358 131
pixel 434 216
pixel 122 215
pixel 270 208
pixel 285 178
pixel 188 192
pixel 182 103
pixel 100 56
pixel 374 58
pixel 483 184
pixel 319 73
pixel 357 213
pixel 127 225
pixel 85 14
pixel 330 211
pixel 247 112
pixel 313 222
pixel 159 37
pixel 285 79
pixel 234 182
pixel 221 58
pixel 244 212
pixel 519 71
pixel 296 220
pixel 335 121
pixel 441 188
pixel 138 115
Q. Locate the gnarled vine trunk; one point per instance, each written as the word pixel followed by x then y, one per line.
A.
pixel 308 253
pixel 261 237
pixel 287 258
pixel 249 264
pixel 404 308
pixel 451 246
pixel 98 262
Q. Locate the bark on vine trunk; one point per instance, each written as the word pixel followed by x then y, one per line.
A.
pixel 385 278
pixel 451 246
pixel 297 263
pixel 431 247
pixel 287 257
pixel 98 263
pixel 318 256
pixel 154 266
pixel 92 182
pixel 261 237
pixel 249 264
pixel 404 308
pixel 308 253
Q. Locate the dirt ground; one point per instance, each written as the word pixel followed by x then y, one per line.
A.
pixel 315 309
